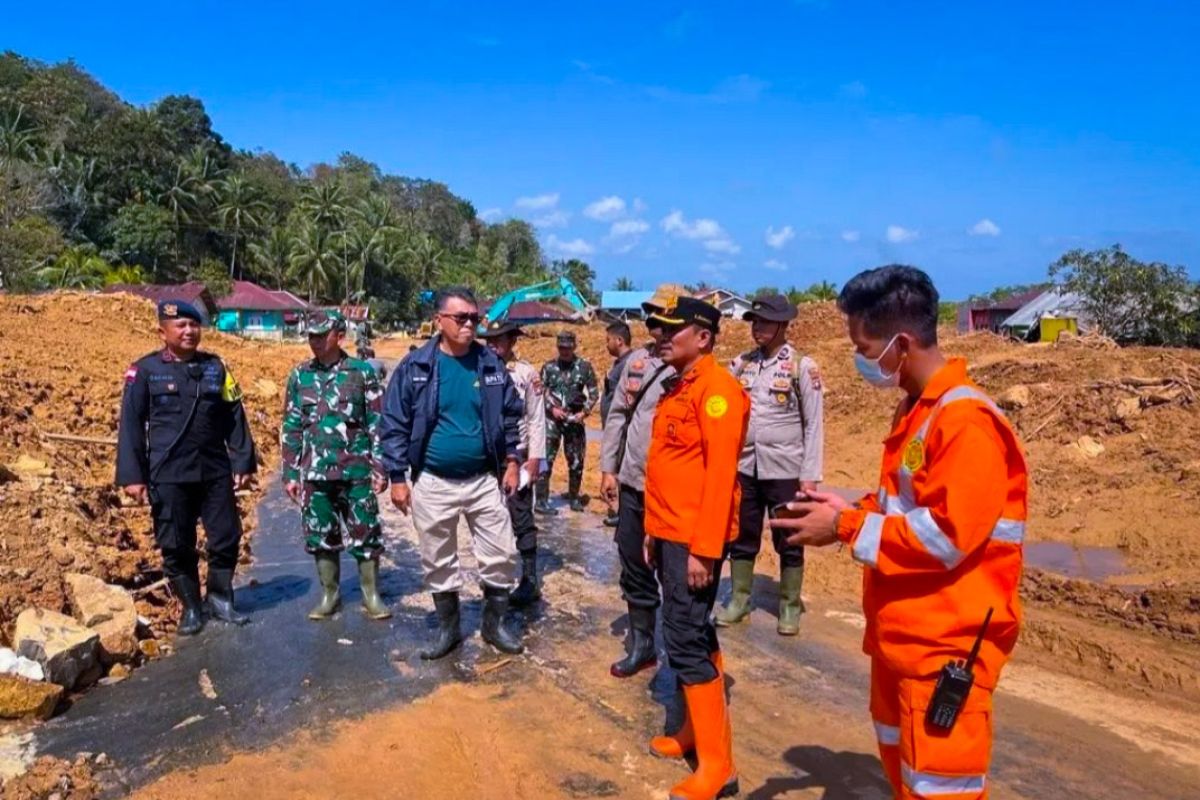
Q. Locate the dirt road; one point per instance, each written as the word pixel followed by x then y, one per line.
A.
pixel 288 708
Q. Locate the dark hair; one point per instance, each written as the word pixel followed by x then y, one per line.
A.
pixel 620 330
pixel 444 296
pixel 892 299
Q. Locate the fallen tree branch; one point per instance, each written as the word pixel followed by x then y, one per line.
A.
pixel 67 437
pixel 149 587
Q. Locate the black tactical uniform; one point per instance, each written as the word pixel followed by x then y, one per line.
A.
pixel 184 434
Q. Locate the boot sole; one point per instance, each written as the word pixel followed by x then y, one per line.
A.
pixel 315 617
pixel 730 789
pixel 642 668
pixel 440 656
pixel 381 615
pixel 668 756
pixel 505 650
pixel 722 623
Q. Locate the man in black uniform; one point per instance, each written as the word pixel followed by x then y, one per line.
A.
pixel 184 446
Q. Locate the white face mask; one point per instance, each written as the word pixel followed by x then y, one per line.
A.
pixel 873 373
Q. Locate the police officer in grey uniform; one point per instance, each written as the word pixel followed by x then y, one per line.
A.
pixel 784 453
pixel 183 446
pixel 502 337
pixel 623 464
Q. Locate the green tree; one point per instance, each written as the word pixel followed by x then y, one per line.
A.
pixel 212 274
pixel 75 268
pixel 238 208
pixel 27 246
pixel 1130 300
pixel 314 259
pixel 822 292
pixel 624 284
pixel 142 235
pixel 765 290
pixel 271 255
pixel 124 274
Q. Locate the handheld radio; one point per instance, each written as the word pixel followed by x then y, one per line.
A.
pixel 953 685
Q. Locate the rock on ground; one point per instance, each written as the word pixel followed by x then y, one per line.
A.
pixel 67 651
pixel 21 698
pixel 13 664
pixel 109 611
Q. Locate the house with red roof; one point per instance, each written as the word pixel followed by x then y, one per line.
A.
pixel 252 310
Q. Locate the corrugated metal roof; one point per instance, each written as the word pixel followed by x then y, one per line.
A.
pixel 1052 303
pixel 252 297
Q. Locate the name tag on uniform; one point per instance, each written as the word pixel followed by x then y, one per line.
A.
pixel 420 379
pixel 493 380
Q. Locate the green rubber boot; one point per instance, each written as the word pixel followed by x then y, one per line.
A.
pixel 741 576
pixel 790 604
pixel 329 571
pixel 368 580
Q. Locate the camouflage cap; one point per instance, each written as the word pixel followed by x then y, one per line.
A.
pixel 325 320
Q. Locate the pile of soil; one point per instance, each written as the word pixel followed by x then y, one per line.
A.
pixel 62 362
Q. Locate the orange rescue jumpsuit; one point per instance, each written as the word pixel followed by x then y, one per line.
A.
pixel 941 544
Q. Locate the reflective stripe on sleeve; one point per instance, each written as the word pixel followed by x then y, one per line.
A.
pixel 935 542
pixel 888 735
pixel 1011 531
pixel 927 784
pixel 866 546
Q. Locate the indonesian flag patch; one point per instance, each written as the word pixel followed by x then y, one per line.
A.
pixel 131 373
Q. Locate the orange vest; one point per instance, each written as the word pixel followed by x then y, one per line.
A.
pixel 941 541
pixel 692 491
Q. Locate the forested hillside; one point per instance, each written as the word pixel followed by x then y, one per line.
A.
pixel 94 190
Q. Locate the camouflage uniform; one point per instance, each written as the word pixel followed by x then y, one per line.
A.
pixel 330 444
pixel 572 387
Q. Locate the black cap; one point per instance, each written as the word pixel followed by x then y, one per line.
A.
pixel 690 311
pixel 771 308
pixel 178 309
pixel 499 328
pixel 566 339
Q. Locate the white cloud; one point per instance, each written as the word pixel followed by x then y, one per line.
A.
pixel 539 202
pixel 639 205
pixel 775 264
pixel 606 209
pixel 629 227
pixel 574 247
pixel 676 225
pixel 851 236
pixel 985 227
pixel 778 238
pixel 554 219
pixel 899 235
pixel 491 214
pixel 719 269
pixel 722 246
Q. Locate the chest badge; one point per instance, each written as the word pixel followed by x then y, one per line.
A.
pixel 914 455
pixel 171 387
pixel 781 399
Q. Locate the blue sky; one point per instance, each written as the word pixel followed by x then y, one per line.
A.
pixel 745 144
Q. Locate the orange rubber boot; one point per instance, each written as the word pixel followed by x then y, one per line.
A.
pixel 683 741
pixel 715 776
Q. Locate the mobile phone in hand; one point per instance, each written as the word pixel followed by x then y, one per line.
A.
pixel 782 511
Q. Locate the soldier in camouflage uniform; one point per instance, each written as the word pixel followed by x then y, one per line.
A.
pixel 331 462
pixel 571 393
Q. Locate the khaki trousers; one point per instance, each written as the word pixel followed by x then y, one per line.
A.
pixel 437 506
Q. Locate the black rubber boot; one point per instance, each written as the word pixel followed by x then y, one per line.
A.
pixel 495 603
pixel 329 571
pixel 220 602
pixel 577 504
pixel 542 506
pixel 191 620
pixel 530 589
pixel 642 653
pixel 611 521
pixel 449 634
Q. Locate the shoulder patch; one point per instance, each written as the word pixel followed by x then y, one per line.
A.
pixel 814 375
pixel 131 373
pixel 716 406
pixel 230 391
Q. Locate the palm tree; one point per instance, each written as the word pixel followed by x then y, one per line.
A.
pixel 624 284
pixel 238 206
pixel 823 292
pixel 182 199
pixel 313 258
pixel 16 139
pixel 426 254
pixel 76 268
pixel 272 255
pixel 325 205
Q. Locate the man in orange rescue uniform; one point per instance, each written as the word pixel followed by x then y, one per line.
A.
pixel 940 542
pixel 692 500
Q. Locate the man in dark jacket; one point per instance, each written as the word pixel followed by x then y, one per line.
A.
pixel 183 447
pixel 451 433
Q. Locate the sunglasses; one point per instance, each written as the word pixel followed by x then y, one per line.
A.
pixel 463 319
